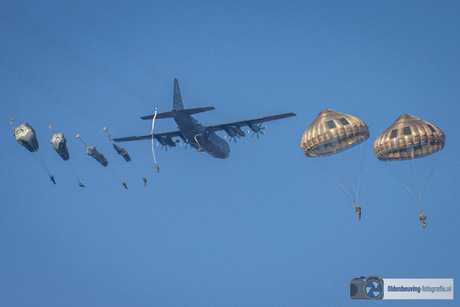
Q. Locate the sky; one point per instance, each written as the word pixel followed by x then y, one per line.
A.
pixel 265 227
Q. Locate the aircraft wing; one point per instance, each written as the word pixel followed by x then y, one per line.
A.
pixel 249 122
pixel 158 136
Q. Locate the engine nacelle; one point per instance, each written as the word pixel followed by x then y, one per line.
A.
pixel 254 127
pixel 162 141
pixel 238 131
pixel 170 141
pixel 230 132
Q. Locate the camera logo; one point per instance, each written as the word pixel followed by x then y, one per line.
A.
pixel 366 288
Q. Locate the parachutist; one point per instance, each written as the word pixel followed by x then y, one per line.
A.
pixel 330 140
pixel 409 140
pixel 81 185
pixel 145 181
pixel 423 219
pixel 124 184
pixel 358 209
pixel 157 168
pixel 52 179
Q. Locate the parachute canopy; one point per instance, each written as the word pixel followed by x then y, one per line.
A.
pixel 25 135
pixel 91 151
pixel 59 144
pixel 331 132
pixel 408 137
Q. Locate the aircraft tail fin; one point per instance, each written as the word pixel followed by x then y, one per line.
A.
pixel 170 114
pixel 177 99
pixel 178 106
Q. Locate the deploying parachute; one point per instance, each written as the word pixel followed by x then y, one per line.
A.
pixel 329 138
pixel 60 146
pixel 122 152
pixel 26 136
pixel 99 157
pixel 408 145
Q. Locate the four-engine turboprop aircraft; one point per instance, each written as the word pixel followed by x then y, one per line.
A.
pixel 192 132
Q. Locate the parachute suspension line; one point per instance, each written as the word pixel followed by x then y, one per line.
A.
pixel 153 151
pixel 354 157
pixel 38 156
pixel 79 137
pixel 415 174
pixel 398 173
pixel 107 130
pixel 345 170
pixel 69 163
pixel 42 163
pixel 324 168
pixel 359 160
pixel 424 186
pixel 336 168
pixel 139 172
pixel 116 176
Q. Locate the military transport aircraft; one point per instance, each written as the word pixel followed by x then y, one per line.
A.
pixel 202 138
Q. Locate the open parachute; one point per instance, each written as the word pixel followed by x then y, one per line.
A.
pixel 26 136
pixel 409 146
pixel 331 138
pixel 59 143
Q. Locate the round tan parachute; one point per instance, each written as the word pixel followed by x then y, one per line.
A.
pixel 331 132
pixel 407 138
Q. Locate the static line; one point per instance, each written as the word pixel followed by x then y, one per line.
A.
pixel 153 127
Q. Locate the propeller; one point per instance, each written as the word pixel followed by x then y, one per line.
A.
pixel 257 130
pixel 163 147
pixel 233 138
pixel 187 145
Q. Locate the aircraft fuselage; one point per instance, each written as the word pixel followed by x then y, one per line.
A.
pixel 199 137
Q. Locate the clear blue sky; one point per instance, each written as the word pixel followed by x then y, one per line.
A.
pixel 264 227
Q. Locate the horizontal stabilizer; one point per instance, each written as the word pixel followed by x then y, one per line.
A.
pixel 170 114
pixel 159 115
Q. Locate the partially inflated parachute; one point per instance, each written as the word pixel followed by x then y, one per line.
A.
pixel 99 157
pixel 59 143
pixel 26 136
pixel 122 152
pixel 409 146
pixel 331 138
